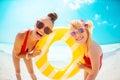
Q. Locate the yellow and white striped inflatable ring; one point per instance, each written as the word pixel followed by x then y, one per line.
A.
pixel 42 63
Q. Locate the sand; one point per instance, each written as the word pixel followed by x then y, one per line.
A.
pixel 109 71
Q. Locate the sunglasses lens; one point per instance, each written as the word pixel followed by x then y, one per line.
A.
pixel 47 30
pixel 40 25
pixel 81 30
pixel 73 33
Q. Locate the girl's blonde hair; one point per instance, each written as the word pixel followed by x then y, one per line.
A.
pixel 88 27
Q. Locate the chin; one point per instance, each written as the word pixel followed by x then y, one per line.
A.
pixel 37 37
pixel 79 42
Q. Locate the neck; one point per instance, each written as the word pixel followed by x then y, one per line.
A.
pixel 87 45
pixel 32 39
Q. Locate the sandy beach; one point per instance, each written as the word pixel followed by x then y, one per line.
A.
pixel 109 71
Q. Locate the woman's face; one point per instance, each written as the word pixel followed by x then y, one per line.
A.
pixel 79 35
pixel 42 27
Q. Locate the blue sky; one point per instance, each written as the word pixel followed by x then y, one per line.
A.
pixel 17 15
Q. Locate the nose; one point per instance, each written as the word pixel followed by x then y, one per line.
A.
pixel 77 34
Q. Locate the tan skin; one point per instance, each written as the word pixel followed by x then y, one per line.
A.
pixel 93 53
pixel 32 38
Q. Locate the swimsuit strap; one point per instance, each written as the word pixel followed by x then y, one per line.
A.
pixel 23 50
pixel 87 60
pixel 101 57
pixel 34 46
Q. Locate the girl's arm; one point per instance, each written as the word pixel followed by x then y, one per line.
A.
pixel 18 45
pixel 95 61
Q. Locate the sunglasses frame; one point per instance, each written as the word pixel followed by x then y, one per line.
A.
pixel 47 30
pixel 80 30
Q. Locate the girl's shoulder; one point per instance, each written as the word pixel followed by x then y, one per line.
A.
pixel 95 44
pixel 95 48
pixel 21 34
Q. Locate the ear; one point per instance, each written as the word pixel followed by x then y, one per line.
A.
pixel 86 25
pixel 89 26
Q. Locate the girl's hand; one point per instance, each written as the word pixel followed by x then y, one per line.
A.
pixel 33 54
pixel 36 53
pixel 80 65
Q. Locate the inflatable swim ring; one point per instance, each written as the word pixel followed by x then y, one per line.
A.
pixel 42 63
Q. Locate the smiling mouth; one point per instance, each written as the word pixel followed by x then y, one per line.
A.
pixel 39 33
pixel 80 38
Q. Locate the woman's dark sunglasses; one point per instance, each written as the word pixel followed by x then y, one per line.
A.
pixel 40 25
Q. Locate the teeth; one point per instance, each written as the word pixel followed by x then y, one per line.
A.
pixel 80 38
pixel 40 32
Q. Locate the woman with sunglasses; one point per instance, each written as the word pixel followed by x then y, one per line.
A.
pixel 81 33
pixel 25 44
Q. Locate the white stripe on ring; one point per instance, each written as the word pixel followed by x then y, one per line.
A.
pixel 70 69
pixel 52 74
pixel 44 67
pixel 66 36
pixel 74 46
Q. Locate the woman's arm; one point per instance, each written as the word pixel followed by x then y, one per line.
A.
pixel 94 55
pixel 18 45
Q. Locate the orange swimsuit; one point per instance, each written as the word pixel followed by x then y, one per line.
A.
pixel 88 62
pixel 23 49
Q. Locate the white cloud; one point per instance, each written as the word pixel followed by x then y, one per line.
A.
pixel 76 4
pixel 66 1
pixel 107 7
pixel 98 22
pixel 97 16
pixel 114 26
pixel 89 1
pixel 102 22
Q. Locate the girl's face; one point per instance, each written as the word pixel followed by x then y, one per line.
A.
pixel 42 27
pixel 79 35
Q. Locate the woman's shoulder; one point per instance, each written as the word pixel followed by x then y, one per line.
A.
pixel 95 44
pixel 21 34
pixel 95 48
